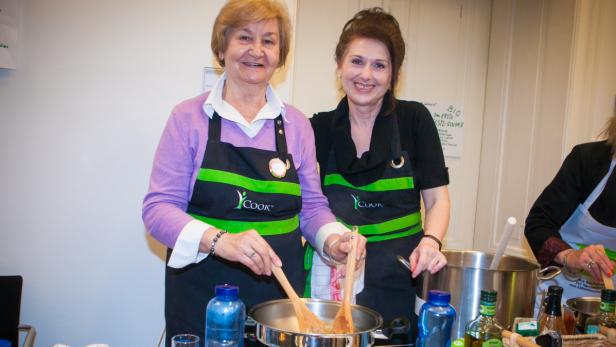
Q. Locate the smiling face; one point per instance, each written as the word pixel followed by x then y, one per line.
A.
pixel 253 53
pixel 365 72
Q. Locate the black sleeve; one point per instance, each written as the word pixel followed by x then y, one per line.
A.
pixel 320 125
pixel 425 146
pixel 557 202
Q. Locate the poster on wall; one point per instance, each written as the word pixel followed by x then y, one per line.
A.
pixel 9 11
pixel 449 120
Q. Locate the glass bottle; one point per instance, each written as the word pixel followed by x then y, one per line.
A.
pixel 606 316
pixel 552 318
pixel 484 330
pixel 435 320
pixel 224 318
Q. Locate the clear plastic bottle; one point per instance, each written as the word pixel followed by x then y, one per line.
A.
pixel 436 318
pixel 552 318
pixel 224 318
pixel 484 330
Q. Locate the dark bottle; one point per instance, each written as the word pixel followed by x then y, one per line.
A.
pixel 606 316
pixel 552 318
pixel 484 330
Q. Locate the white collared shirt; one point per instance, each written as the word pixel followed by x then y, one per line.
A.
pixel 215 103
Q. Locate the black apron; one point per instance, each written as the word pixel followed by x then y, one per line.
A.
pixel 235 191
pixel 387 214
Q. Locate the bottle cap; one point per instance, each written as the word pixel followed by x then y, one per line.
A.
pixel 439 296
pixel 227 291
pixel 608 295
pixel 488 295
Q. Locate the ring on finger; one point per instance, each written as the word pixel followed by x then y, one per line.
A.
pixel 252 254
pixel 590 264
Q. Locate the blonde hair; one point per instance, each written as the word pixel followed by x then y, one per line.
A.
pixel 610 133
pixel 237 13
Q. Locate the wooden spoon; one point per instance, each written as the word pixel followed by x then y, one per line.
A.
pixel 607 281
pixel 343 322
pixel 308 321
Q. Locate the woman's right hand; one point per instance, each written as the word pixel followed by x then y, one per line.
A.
pixel 248 248
pixel 592 259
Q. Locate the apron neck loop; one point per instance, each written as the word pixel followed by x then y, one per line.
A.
pixel 281 141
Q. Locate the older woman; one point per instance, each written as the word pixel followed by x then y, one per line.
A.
pixel 379 157
pixel 573 222
pixel 234 177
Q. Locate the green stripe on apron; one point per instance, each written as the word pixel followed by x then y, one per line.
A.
pixel 267 228
pixel 308 254
pixel 407 221
pixel 259 186
pixel 381 185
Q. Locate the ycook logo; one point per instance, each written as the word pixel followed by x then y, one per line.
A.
pixel 363 204
pixel 244 203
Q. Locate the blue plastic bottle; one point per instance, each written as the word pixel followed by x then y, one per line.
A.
pixel 435 320
pixel 224 318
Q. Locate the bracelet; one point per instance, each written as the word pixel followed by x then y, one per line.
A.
pixel 328 259
pixel 432 237
pixel 571 250
pixel 215 239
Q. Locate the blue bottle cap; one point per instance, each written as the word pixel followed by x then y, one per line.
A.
pixel 439 297
pixel 227 291
pixel 5 343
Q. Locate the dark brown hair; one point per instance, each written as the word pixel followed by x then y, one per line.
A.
pixel 237 13
pixel 374 23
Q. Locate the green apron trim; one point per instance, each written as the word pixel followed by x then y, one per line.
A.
pixel 610 254
pixel 388 226
pixel 381 185
pixel 408 232
pixel 259 186
pixel 308 255
pixel 268 228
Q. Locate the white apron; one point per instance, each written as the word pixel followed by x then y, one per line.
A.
pixel 582 230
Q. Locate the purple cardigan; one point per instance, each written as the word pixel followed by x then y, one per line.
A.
pixel 180 153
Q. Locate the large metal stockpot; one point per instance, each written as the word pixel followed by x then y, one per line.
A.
pixel 276 325
pixel 467 273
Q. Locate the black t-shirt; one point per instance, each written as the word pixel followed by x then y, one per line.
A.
pixel 579 174
pixel 418 137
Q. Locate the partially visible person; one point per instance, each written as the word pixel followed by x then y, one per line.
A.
pixel 379 157
pixel 573 222
pixel 235 177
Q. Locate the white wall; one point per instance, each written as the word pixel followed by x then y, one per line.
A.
pixel 80 119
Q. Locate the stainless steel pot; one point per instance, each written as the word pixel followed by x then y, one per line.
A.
pixel 467 273
pixel 276 325
pixel 584 307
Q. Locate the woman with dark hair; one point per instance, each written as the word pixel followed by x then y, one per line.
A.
pixel 379 157
pixel 573 222
pixel 235 176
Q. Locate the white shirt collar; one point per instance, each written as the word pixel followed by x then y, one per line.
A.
pixel 215 103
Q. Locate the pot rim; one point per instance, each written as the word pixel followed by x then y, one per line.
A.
pixel 531 262
pixel 379 318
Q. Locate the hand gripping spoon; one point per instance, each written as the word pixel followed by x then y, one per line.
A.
pixel 343 322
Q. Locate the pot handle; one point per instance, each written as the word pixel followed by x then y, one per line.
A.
pixel 398 326
pixel 548 273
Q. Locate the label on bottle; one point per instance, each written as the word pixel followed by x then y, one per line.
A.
pixel 487 309
pixel 492 343
pixel 591 329
pixel 607 306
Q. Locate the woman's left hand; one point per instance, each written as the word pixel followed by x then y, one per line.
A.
pixel 426 256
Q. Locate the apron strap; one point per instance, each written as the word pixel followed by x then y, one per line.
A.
pixel 213 132
pixel 281 141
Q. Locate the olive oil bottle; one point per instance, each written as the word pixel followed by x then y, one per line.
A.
pixel 484 331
